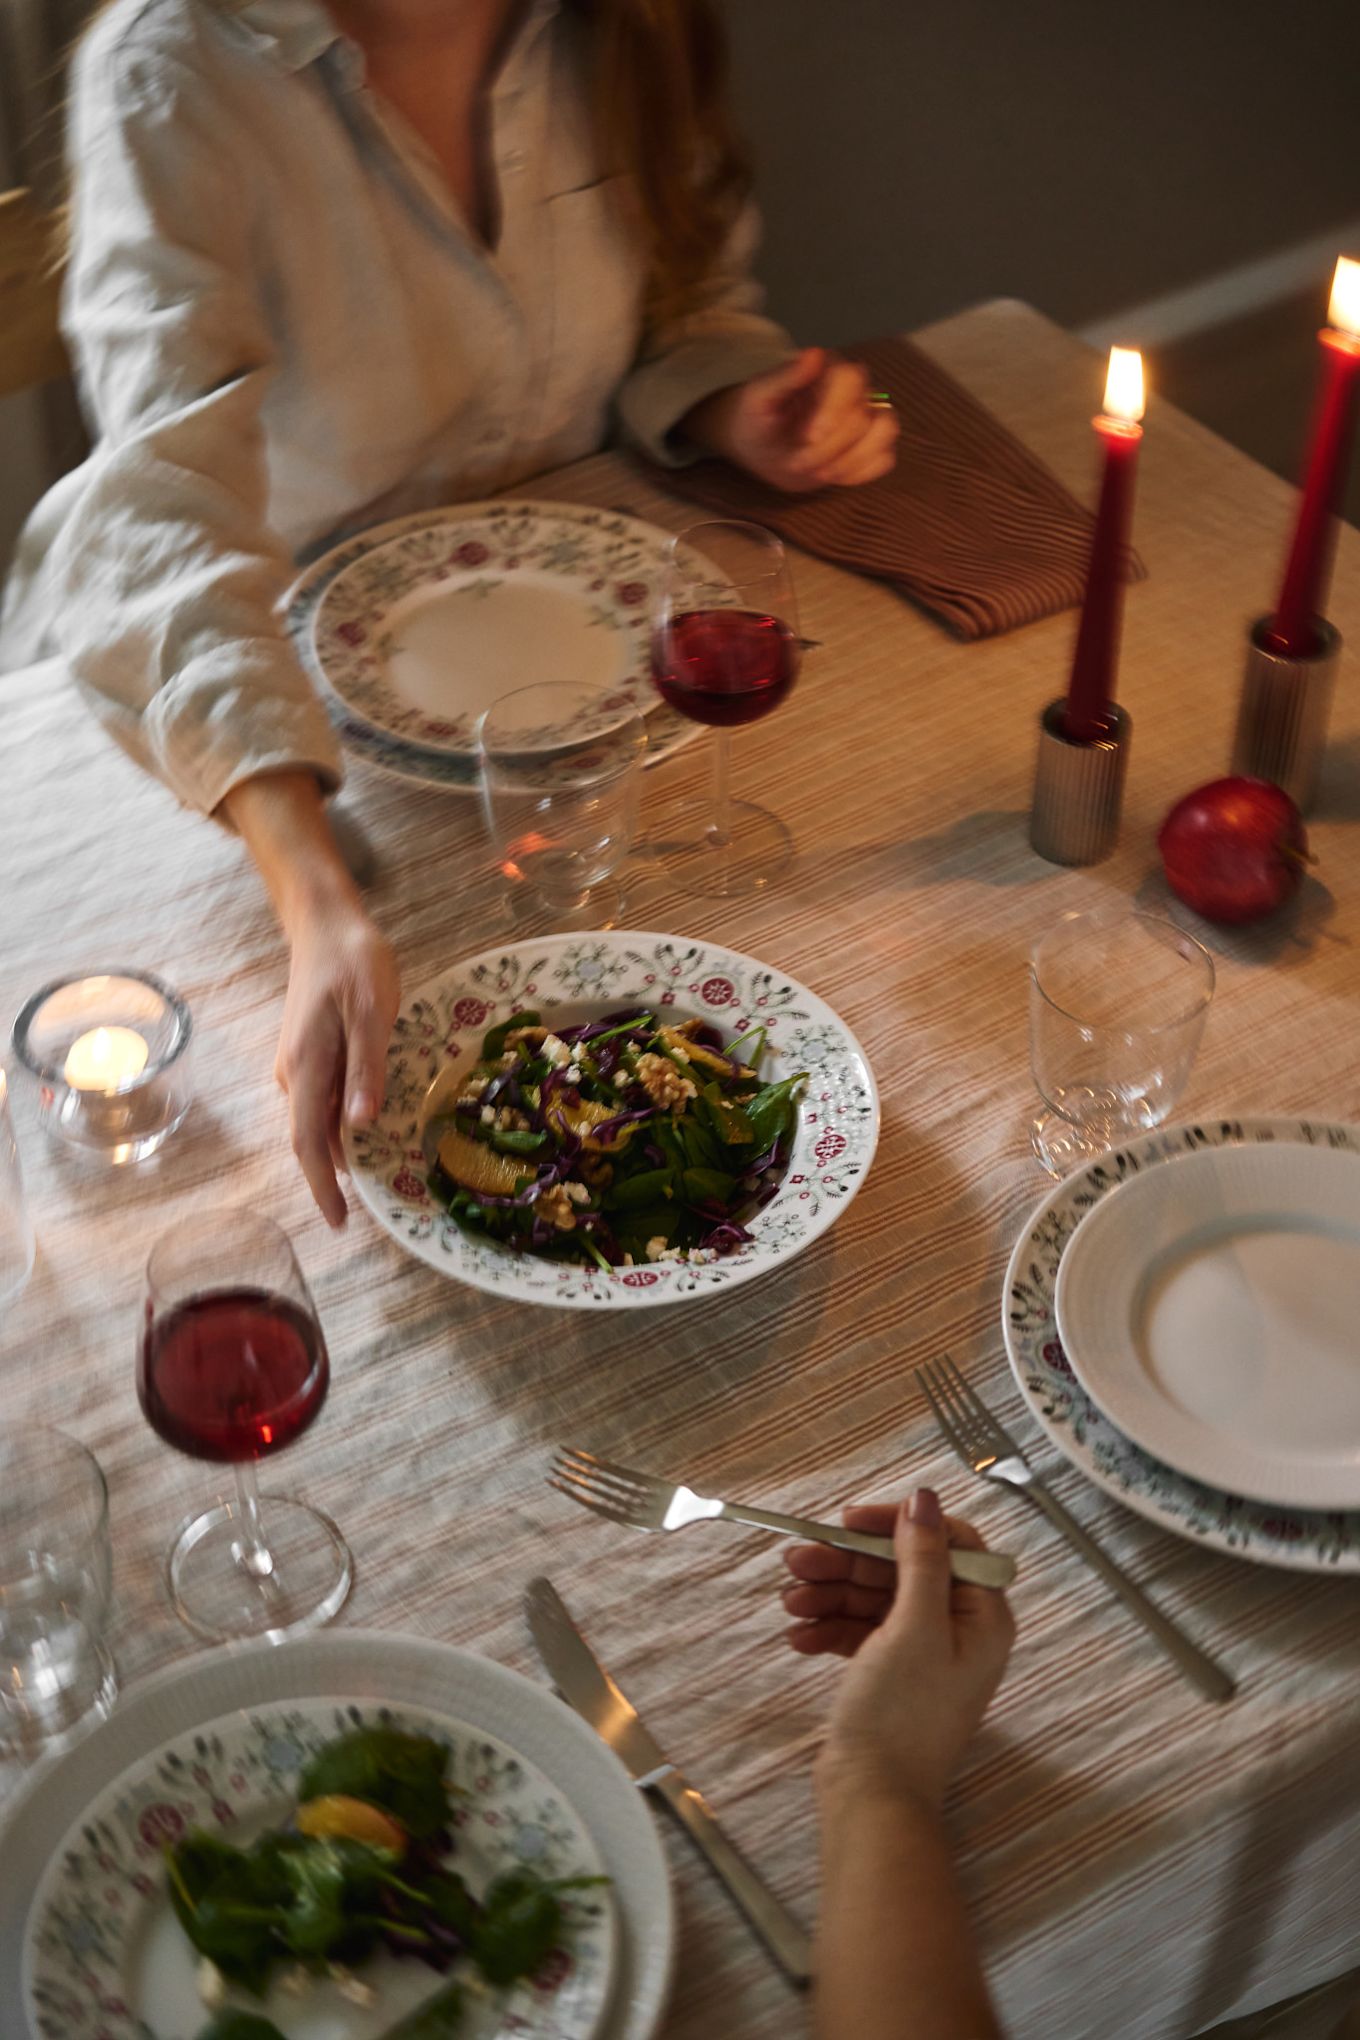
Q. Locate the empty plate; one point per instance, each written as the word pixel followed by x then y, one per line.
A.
pixel 1211 1308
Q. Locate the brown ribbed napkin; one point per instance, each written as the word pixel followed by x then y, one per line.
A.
pixel 969 524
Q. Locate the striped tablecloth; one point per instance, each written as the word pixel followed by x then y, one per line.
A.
pixel 1141 1863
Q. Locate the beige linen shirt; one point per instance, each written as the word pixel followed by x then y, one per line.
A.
pixel 284 331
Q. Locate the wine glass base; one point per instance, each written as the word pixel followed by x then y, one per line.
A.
pixel 756 851
pixel 219 1598
pixel 1060 1147
pixel 604 906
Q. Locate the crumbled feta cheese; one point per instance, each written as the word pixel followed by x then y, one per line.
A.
pixel 475 1086
pixel 488 1115
pixel 622 1080
pixel 573 1073
pixel 212 1985
pixel 679 1055
pixel 556 1051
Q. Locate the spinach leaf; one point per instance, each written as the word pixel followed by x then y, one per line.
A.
pixel 226 1900
pixel 239 2026
pixel 493 1046
pixel 514 1141
pixel 774 1109
pixel 313 1919
pixel 520 1926
pixel 633 1192
pixel 439 2018
pixel 402 1774
pixel 727 1120
pixel 709 1186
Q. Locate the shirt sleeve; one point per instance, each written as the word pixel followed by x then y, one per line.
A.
pixel 721 339
pixel 165 578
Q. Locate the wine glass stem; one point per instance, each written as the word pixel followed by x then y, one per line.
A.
pixel 251 1551
pixel 722 789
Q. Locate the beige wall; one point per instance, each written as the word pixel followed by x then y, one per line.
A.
pixel 916 155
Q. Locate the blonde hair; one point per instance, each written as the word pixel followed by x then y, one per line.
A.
pixel 662 115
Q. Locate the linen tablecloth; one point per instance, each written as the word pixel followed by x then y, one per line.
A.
pixel 1140 1863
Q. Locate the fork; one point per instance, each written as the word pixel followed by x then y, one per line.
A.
pixel 988 1449
pixel 645 1502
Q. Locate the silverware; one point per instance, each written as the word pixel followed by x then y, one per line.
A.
pixel 988 1449
pixel 645 1502
pixel 583 1682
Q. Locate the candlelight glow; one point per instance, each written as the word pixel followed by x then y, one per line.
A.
pixel 105 1058
pixel 1344 309
pixel 1124 385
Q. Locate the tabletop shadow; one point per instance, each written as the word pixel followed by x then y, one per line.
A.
pixel 1287 937
pixel 1338 795
pixel 989 847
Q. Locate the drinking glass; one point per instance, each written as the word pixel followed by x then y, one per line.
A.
pixel 560 772
pixel 725 651
pixel 231 1367
pixel 1117 1005
pixel 17 1246
pixel 56 1674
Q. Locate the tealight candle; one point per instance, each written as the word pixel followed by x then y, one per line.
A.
pixel 105 1059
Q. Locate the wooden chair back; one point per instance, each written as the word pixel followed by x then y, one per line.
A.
pixel 31 349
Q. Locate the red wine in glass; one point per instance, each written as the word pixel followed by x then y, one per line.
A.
pixel 232 1375
pixel 725 666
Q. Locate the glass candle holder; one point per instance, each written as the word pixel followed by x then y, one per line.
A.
pixel 109 1055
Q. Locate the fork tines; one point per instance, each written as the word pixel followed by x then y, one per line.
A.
pixel 962 1415
pixel 602 1485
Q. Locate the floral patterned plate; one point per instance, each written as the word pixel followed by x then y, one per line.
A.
pixel 415 627
pixel 1304 1540
pixel 106 1958
pixel 578 977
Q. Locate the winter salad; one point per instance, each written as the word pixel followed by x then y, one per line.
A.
pixel 362 1866
pixel 622 1141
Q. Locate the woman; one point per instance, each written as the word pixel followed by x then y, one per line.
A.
pixel 331 265
pixel 896 1957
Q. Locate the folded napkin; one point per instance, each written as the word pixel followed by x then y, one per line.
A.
pixel 969 524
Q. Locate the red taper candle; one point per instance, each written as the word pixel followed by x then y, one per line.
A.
pixel 1308 570
pixel 1090 690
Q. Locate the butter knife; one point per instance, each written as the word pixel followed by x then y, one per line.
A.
pixel 585 1684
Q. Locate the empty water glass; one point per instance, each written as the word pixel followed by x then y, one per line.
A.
pixel 56 1674
pixel 1117 1004
pixel 16 1227
pixel 560 772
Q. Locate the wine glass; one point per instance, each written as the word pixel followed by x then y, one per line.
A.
pixel 1117 1002
pixel 231 1367
pixel 560 772
pixel 725 651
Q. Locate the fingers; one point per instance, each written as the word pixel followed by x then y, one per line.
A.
pixel 838 1638
pixel 310 1090
pixel 837 1597
pixel 923 1577
pixel 821 1562
pixel 876 1519
pixel 367 1034
pixel 873 454
pixel 795 377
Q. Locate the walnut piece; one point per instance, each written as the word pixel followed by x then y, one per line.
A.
pixel 663 1082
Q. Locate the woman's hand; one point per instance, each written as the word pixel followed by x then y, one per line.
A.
pixel 807 425
pixel 928 1652
pixel 343 986
pixel 343 990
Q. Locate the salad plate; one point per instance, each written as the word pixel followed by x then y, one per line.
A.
pixel 1209 1308
pixel 414 628
pixel 90 1948
pixel 1269 1533
pixel 826 1143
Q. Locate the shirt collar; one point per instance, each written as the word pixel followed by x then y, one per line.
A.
pixel 296 32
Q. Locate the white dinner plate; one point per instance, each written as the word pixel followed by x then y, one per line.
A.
pixel 1268 1533
pixel 414 628
pixel 89 1949
pixel 573 978
pixel 1212 1309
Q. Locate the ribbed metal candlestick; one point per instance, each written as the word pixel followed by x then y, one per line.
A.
pixel 1282 716
pixel 1078 789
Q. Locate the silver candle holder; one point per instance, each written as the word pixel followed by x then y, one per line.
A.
pixel 1284 710
pixel 109 1057
pixel 1078 788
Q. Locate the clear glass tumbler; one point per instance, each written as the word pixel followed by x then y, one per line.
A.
pixel 56 1675
pixel 1117 1005
pixel 561 770
pixel 17 1246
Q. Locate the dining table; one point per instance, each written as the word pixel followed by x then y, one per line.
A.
pixel 1140 1862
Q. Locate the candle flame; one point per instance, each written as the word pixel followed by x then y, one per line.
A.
pixel 1124 385
pixel 1344 309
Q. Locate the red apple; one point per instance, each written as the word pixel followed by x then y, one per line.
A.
pixel 1234 850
